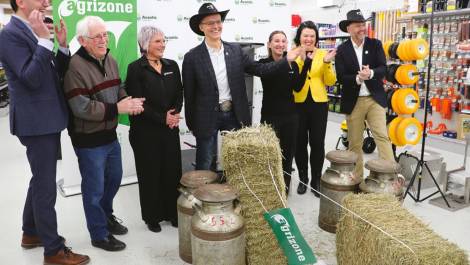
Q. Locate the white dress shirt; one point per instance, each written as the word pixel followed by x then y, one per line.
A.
pixel 220 70
pixel 358 49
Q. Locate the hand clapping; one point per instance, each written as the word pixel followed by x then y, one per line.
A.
pixel 131 106
pixel 330 56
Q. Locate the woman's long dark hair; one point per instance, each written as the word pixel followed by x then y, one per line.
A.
pixel 270 53
pixel 306 24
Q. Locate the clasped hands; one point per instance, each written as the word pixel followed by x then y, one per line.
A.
pixel 364 74
pixel 172 118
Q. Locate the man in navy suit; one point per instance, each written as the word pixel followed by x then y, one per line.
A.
pixel 38 114
pixel 214 83
pixel 360 68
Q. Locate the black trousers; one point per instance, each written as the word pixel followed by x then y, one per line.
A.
pixel 158 163
pixel 313 118
pixel 285 127
pixel 39 215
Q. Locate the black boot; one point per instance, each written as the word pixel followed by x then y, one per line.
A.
pixel 303 176
pixel 315 185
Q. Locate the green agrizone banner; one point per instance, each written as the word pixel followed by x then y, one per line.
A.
pixel 288 235
pixel 120 17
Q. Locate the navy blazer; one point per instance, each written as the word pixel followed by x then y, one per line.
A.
pixel 201 94
pixel 37 104
pixel 347 67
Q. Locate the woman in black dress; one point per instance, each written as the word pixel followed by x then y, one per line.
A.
pixel 154 134
pixel 278 108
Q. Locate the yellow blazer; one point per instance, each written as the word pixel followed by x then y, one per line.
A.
pixel 321 74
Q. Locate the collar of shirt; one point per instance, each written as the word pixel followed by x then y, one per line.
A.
pixel 214 50
pixel 358 46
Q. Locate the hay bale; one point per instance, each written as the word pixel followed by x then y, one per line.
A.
pixel 249 150
pixel 358 243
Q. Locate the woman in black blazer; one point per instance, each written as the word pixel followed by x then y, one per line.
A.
pixel 154 134
pixel 278 107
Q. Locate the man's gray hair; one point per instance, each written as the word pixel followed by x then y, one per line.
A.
pixel 146 34
pixel 83 26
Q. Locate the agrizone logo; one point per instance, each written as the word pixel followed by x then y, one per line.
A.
pixel 82 7
pixel 285 228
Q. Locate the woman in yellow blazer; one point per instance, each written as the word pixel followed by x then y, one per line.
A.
pixel 314 71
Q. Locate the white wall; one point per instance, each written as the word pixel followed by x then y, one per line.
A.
pixel 308 9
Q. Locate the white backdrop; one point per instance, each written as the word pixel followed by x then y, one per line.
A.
pixel 247 21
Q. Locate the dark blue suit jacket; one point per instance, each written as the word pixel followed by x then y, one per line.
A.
pixel 201 94
pixel 347 67
pixel 37 103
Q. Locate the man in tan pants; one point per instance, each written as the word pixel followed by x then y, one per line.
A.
pixel 360 68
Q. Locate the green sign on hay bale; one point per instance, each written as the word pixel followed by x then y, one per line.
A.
pixel 249 152
pixel 404 239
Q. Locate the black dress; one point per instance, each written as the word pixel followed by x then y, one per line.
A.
pixel 156 146
pixel 279 110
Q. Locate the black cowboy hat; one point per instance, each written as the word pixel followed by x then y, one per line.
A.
pixel 352 16
pixel 205 10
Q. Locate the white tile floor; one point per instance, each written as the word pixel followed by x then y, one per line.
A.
pixel 144 247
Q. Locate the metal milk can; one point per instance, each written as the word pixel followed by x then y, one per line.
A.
pixel 190 181
pixel 217 228
pixel 337 182
pixel 383 178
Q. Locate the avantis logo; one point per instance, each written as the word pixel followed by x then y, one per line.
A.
pixel 243 2
pixel 277 3
pixel 68 7
pixel 182 18
pixel 256 20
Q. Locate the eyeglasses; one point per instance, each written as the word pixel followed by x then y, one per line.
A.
pixel 99 36
pixel 212 23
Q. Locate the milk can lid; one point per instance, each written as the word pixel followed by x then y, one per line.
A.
pixel 342 156
pixel 196 178
pixel 216 193
pixel 383 166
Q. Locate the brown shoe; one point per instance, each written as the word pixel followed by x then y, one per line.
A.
pixel 66 257
pixel 29 242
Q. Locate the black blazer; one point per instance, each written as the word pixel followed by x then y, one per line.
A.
pixel 162 92
pixel 201 94
pixel 347 67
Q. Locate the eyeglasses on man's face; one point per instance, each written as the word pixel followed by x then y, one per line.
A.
pixel 212 23
pixel 99 36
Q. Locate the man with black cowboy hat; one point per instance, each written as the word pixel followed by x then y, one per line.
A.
pixel 360 68
pixel 214 83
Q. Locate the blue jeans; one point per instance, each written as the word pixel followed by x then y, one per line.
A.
pixel 206 147
pixel 101 170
